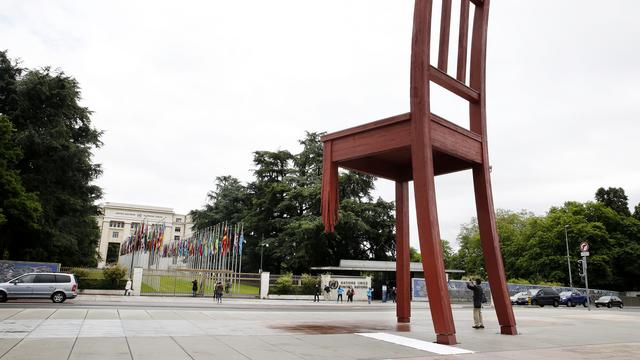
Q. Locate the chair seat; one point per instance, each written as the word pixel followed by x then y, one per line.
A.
pixel 383 148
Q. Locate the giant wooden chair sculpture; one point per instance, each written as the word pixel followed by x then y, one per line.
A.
pixel 420 145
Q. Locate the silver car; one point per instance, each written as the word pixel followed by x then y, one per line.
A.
pixel 55 286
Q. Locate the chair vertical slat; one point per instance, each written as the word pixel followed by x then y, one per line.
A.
pixel 445 27
pixel 463 36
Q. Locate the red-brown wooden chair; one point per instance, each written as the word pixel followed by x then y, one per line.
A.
pixel 420 145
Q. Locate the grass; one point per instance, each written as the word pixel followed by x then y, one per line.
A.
pixel 170 285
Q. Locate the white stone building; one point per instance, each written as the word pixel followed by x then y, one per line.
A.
pixel 118 221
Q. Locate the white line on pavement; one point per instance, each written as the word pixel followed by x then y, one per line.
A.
pixel 417 344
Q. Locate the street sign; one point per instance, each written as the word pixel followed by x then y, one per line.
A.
pixel 584 246
pixel 584 253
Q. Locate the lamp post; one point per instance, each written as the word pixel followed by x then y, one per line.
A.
pixel 262 245
pixel 566 239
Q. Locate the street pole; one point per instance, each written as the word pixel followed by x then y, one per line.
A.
pixel 586 280
pixel 566 239
pixel 261 251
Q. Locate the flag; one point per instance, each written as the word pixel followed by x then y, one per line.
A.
pixel 225 241
pixel 241 242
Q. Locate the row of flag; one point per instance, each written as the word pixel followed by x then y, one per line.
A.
pixel 214 240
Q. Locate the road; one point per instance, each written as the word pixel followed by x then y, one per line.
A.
pixel 185 328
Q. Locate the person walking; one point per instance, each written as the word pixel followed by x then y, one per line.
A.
pixel 327 292
pixel 219 289
pixel 340 292
pixel 369 294
pixel 316 293
pixel 393 294
pixel 477 303
pixel 127 287
pixel 194 287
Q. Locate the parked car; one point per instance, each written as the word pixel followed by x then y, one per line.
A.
pixel 544 297
pixel 520 298
pixel 55 286
pixel 609 301
pixel 572 298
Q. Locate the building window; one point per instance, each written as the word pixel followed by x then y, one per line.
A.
pixel 115 235
pixel 177 237
pixel 116 224
pixel 177 229
pixel 178 220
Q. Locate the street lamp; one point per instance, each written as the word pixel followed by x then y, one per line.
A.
pixel 262 245
pixel 566 240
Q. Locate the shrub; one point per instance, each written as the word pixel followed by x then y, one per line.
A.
pixel 114 274
pixel 284 284
pixel 80 273
pixel 309 284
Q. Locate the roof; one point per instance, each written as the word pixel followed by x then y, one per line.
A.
pixel 374 265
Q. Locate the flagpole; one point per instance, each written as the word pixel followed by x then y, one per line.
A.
pixel 240 246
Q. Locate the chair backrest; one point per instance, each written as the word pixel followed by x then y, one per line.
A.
pixel 472 89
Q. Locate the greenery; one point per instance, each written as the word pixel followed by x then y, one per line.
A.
pixel 171 285
pixel 534 250
pixel 113 274
pixel 282 206
pixel 47 199
pixel 284 284
pixel 309 283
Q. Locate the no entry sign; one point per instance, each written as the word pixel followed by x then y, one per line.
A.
pixel 584 246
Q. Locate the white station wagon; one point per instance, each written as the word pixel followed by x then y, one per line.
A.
pixel 55 286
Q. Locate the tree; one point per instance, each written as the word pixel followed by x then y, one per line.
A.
pixel 283 212
pixel 636 212
pixel 20 211
pixel 228 202
pixel 56 139
pixel 615 199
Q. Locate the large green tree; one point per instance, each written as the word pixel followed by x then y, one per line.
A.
pixel 614 198
pixel 56 138
pixel 282 214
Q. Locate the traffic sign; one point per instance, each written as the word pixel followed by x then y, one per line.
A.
pixel 584 253
pixel 584 246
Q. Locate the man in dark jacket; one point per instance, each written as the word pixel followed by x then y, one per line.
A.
pixel 477 303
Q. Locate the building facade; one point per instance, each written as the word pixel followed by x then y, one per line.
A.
pixel 118 221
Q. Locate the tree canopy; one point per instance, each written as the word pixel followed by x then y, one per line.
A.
pixel 281 212
pixel 48 141
pixel 534 248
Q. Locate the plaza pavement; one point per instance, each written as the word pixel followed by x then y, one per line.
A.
pixel 274 329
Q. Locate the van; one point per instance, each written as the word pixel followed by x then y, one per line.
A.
pixel 55 286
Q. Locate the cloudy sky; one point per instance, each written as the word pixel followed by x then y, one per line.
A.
pixel 186 90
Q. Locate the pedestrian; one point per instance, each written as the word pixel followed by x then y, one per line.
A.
pixel 477 303
pixel 393 294
pixel 351 293
pixel 340 292
pixel 316 293
pixel 127 287
pixel 219 289
pixel 327 291
pixel 369 294
pixel 194 287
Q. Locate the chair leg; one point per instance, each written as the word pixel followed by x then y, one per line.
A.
pixel 491 250
pixel 430 246
pixel 403 275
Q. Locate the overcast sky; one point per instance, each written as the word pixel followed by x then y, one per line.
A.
pixel 185 91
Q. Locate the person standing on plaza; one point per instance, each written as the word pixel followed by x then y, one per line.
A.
pixel 340 292
pixel 316 293
pixel 477 303
pixel 349 294
pixel 219 289
pixel 194 287
pixel 393 294
pixel 127 287
pixel 369 294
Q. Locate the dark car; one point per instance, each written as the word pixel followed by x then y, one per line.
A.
pixel 609 301
pixel 542 297
pixel 572 298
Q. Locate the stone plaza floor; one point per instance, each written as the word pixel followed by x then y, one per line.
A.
pixel 263 329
